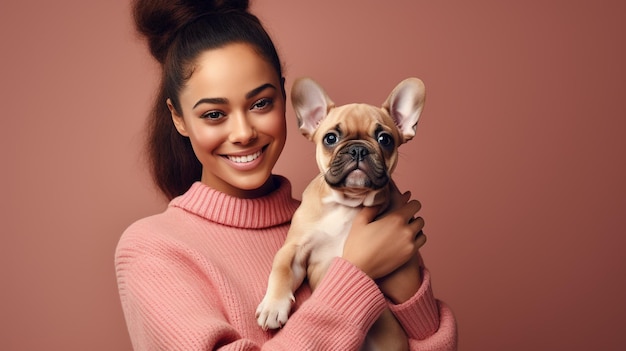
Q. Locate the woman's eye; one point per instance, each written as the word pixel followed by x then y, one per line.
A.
pixel 262 104
pixel 212 115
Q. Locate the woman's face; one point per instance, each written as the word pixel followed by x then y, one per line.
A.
pixel 233 111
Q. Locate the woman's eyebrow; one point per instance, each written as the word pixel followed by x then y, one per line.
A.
pixel 223 101
pixel 256 91
pixel 216 101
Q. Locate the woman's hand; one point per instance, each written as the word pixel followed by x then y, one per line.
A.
pixel 403 283
pixel 379 247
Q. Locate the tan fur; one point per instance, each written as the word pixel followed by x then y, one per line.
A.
pixel 321 224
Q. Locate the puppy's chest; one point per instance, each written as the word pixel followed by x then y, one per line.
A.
pixel 326 239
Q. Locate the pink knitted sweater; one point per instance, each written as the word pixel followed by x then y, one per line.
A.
pixel 191 278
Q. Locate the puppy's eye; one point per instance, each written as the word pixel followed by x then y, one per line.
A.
pixel 385 139
pixel 330 139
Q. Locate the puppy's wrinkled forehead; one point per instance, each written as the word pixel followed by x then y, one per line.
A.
pixel 357 121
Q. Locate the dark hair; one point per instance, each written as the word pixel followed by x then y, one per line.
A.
pixel 177 33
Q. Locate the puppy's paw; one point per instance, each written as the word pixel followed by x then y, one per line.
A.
pixel 272 313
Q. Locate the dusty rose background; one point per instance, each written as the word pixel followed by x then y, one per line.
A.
pixel 519 161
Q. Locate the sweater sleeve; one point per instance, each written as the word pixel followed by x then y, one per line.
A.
pixel 165 306
pixel 169 305
pixel 340 311
pixel 429 323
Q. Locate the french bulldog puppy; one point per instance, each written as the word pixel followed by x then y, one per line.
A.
pixel 356 152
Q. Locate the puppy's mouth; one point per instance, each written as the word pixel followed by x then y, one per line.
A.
pixel 356 167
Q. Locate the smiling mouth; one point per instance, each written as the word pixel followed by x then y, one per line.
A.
pixel 245 158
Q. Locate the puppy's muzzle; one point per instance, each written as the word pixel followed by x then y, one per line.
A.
pixel 356 165
pixel 358 152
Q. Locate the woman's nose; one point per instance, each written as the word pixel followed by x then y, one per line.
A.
pixel 242 131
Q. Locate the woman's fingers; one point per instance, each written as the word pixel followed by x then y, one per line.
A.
pixel 379 246
pixel 410 209
pixel 417 222
pixel 420 240
pixel 367 215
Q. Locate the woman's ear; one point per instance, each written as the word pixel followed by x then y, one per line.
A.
pixel 178 120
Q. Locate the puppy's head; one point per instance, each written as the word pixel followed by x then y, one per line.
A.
pixel 357 144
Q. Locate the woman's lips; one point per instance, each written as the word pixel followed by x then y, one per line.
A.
pixel 245 158
pixel 246 162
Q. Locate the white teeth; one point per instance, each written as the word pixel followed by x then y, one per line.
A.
pixel 244 159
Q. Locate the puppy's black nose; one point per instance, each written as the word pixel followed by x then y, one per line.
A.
pixel 358 152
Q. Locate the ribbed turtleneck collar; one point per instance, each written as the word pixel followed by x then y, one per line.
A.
pixel 273 209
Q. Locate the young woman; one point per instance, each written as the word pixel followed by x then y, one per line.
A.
pixel 191 277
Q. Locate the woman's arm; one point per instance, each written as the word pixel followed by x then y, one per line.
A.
pixel 383 244
pixel 171 302
pixel 429 323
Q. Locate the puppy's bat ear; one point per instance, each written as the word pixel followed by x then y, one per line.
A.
pixel 405 104
pixel 311 104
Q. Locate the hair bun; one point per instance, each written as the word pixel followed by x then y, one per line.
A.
pixel 159 20
pixel 230 5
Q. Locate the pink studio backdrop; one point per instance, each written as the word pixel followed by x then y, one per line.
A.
pixel 519 159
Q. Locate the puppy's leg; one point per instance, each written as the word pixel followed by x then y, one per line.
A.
pixel 288 271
